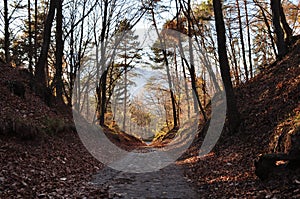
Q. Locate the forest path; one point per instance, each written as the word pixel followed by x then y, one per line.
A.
pixel 168 182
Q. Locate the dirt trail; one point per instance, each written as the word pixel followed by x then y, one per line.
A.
pixel 168 182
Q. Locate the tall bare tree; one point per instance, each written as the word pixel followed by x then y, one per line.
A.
pixel 6 32
pixel 242 40
pixel 40 73
pixel 248 38
pixel 232 111
pixel 59 51
pixel 262 9
pixel 166 62
pixel 30 53
pixel 287 29
pixel 276 18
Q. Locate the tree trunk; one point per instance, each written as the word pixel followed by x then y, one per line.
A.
pixel 103 79
pixel 232 111
pixel 192 66
pixel 59 52
pixel 35 31
pixel 30 49
pixel 125 96
pixel 288 31
pixel 6 33
pixel 72 66
pixel 242 40
pixel 40 73
pixel 167 69
pixel 182 63
pixel 236 66
pixel 281 45
pixel 268 26
pixel 249 39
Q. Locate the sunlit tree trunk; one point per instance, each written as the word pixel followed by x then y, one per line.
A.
pixel 287 29
pixel 232 48
pixel 233 58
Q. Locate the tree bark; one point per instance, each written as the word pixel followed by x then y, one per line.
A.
pixel 249 39
pixel 232 111
pixel 281 45
pixel 30 49
pixel 192 66
pixel 40 73
pixel 103 79
pixel 6 33
pixel 175 121
pixel 242 40
pixel 35 31
pixel 59 52
pixel 288 31
pixel 236 66
pixel 268 26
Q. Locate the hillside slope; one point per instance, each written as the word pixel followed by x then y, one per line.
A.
pixel 270 111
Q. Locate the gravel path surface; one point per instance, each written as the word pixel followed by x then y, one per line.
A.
pixel 168 182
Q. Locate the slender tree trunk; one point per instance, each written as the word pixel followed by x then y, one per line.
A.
pixel 205 58
pixel 30 49
pixel 125 97
pixel 6 33
pixel 242 40
pixel 40 74
pixel 233 58
pixel 236 67
pixel 78 91
pixel 72 66
pixel 268 26
pixel 35 31
pixel 232 111
pixel 183 67
pixel 249 39
pixel 192 66
pixel 186 88
pixel 204 87
pixel 103 79
pixel 287 29
pixel 281 45
pixel 88 115
pixel 59 52
pixel 178 90
pixel 125 90
pixel 167 69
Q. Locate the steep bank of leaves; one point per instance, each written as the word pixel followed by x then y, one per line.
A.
pixel 269 106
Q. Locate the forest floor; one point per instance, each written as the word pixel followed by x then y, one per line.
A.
pixel 46 159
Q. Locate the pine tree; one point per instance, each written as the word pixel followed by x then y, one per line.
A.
pixel 127 52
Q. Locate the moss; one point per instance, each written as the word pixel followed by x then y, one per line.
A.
pixel 53 126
